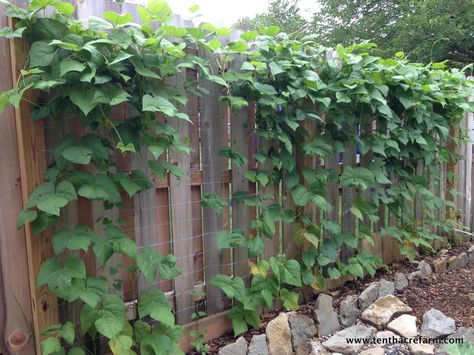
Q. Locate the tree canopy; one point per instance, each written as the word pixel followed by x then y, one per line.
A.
pixel 425 30
pixel 283 13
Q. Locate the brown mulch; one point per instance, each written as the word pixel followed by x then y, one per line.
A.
pixel 446 291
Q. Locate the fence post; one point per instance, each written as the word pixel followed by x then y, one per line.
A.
pixel 31 146
pixel 15 304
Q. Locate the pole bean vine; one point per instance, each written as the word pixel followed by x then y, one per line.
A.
pixel 84 71
pixel 398 115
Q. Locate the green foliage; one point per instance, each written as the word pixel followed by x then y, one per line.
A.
pixel 426 31
pixel 83 72
pixel 293 82
pixel 465 347
pixel 198 334
pixel 265 286
pixel 235 156
pixel 213 201
pixel 282 13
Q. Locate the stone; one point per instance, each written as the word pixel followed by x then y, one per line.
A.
pixel 369 295
pixel 440 264
pixel 443 252
pixel 421 349
pixel 373 351
pixel 387 337
pixel 338 342
pixel 279 336
pixel 458 261
pixel 382 311
pixel 464 333
pixel 471 297
pixel 237 348
pixel 435 324
pixel 400 281
pixel 326 316
pixel 413 276
pixel 425 269
pixel 302 329
pixel 349 311
pixel 405 325
pixel 312 347
pixel 386 288
pixel 258 345
pixel 470 254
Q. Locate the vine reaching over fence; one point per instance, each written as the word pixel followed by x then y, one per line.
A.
pixel 397 115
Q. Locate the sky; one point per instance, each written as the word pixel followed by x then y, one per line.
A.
pixel 227 12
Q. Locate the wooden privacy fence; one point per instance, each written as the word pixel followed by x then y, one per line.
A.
pixel 169 217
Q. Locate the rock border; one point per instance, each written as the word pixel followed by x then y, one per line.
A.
pixel 374 313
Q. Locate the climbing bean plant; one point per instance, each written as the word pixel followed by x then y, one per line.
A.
pixel 84 73
pixel 398 115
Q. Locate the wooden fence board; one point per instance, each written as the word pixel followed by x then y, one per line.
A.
pixel 240 212
pixel 163 230
pixel 181 217
pixel 144 212
pixel 195 145
pixel 30 136
pixel 14 286
pixel 365 160
pixel 420 171
pixel 382 208
pixel 271 245
pixel 469 117
pixel 348 198
pixel 332 196
pixel 390 247
pixel 213 127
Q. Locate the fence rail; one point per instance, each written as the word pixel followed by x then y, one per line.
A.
pixel 169 217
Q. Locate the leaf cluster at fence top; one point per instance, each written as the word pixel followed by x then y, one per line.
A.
pixel 86 71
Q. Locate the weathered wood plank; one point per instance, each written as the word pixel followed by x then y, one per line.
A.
pixel 194 136
pixel 332 196
pixel 390 246
pixel 271 245
pixel 163 230
pixel 382 209
pixel 30 136
pixel 240 212
pixel 181 217
pixel 144 212
pixel 216 325
pixel 15 336
pixel 420 171
pixel 348 197
pixel 365 160
pixel 213 127
pixel 469 117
